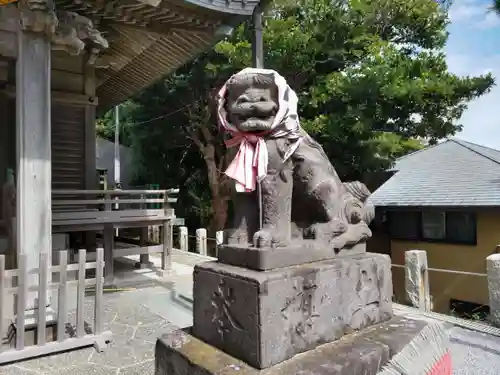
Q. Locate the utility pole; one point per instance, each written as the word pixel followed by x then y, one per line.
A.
pixel 117 148
pixel 258 62
pixel 258 41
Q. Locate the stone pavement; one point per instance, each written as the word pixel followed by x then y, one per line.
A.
pixel 474 353
pixel 135 329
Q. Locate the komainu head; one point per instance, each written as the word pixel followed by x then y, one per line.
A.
pixel 251 101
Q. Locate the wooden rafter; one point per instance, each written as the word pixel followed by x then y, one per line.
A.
pixel 150 38
pixel 135 13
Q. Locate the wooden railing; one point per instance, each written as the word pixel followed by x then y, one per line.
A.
pixel 62 342
pixel 109 210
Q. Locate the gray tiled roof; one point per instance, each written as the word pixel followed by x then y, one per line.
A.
pixel 452 173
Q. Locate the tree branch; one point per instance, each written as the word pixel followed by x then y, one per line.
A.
pixel 196 139
pixel 206 133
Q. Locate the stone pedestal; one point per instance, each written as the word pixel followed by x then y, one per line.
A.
pixel 267 317
pixel 363 353
pixel 300 252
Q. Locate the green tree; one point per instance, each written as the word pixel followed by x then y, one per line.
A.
pixel 371 78
pixel 105 125
pixel 496 6
pixel 363 68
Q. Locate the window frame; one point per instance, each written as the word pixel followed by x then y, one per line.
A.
pixel 442 222
pixel 420 237
pixel 390 218
pixel 473 218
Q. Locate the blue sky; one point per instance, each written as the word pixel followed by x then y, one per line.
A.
pixel 474 48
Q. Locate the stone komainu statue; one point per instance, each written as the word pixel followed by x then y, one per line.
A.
pixel 302 197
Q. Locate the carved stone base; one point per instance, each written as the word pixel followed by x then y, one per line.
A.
pixel 299 252
pixel 363 353
pixel 266 317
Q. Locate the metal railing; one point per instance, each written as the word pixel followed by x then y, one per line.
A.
pixel 447 271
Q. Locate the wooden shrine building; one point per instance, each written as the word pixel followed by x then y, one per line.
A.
pixel 61 63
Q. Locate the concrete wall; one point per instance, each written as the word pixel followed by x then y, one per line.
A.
pixel 105 159
pixel 446 286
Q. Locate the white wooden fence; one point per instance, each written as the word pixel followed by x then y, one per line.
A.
pixel 417 281
pixel 63 341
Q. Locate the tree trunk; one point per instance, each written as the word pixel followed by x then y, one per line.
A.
pixel 215 160
pixel 219 192
pixel 219 214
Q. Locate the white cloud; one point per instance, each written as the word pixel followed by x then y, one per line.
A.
pixel 471 65
pixel 465 12
pixel 481 120
pixel 475 13
pixel 490 21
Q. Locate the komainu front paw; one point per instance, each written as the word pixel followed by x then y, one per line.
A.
pixel 355 233
pixel 325 231
pixel 269 238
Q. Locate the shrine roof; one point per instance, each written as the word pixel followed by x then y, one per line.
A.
pixel 151 38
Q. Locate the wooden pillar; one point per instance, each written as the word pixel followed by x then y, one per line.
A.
pixel 4 141
pixel 90 142
pixel 33 133
pixel 90 134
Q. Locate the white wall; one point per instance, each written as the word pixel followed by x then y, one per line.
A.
pixel 105 159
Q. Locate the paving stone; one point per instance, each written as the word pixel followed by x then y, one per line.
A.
pixel 143 351
pixel 87 369
pixel 125 353
pixel 145 368
pixel 114 356
pixel 58 361
pixel 121 332
pixel 151 332
pixel 14 370
pixel 109 313
pixel 136 315
pixel 171 307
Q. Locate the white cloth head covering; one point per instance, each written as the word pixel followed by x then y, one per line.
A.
pixel 250 163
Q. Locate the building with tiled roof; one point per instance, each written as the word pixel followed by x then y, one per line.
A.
pixel 444 199
pixel 451 173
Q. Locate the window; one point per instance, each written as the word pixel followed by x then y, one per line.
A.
pixel 433 226
pixel 404 225
pixel 451 226
pixel 461 227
